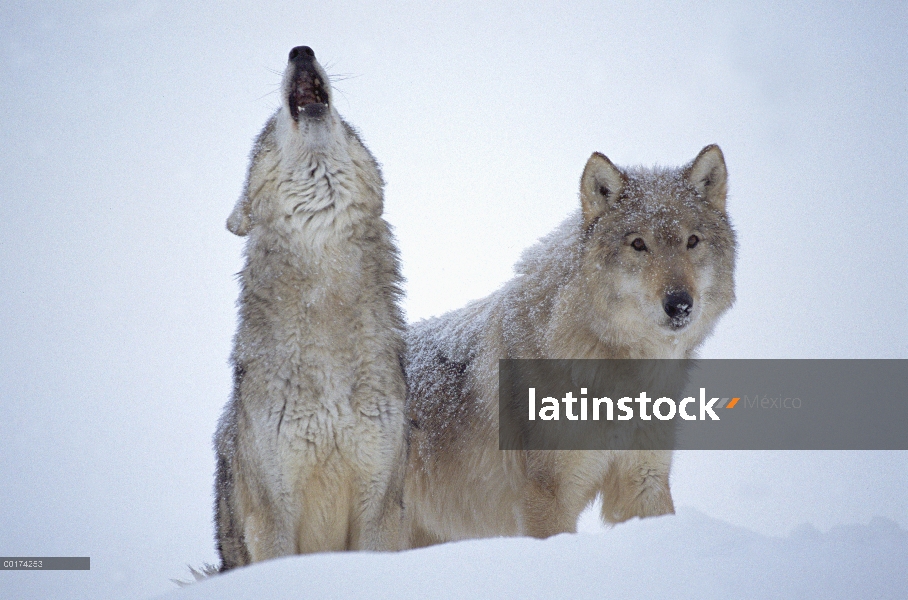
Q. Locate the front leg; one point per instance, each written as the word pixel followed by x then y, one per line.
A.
pixel 636 485
pixel 556 493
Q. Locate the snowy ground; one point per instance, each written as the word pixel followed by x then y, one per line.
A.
pixel 688 555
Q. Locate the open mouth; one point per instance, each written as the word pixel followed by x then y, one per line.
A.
pixel 308 95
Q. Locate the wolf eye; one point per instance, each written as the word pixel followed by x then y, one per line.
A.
pixel 692 241
pixel 638 244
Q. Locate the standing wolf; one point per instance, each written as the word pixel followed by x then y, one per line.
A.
pixel 311 447
pixel 643 270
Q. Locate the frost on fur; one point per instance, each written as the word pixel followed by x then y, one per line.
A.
pixel 644 269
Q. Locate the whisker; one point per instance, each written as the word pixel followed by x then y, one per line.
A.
pixel 265 95
pixel 343 76
pixel 337 89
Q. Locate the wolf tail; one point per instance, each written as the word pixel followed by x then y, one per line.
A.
pixel 204 572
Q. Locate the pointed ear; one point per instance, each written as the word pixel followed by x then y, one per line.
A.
pixel 600 186
pixel 709 176
pixel 240 220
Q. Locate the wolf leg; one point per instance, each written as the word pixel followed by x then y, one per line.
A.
pixel 228 534
pixel 551 505
pixel 636 485
pixel 269 533
pixel 378 520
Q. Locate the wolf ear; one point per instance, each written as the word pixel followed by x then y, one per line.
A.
pixel 600 185
pixel 240 220
pixel 709 176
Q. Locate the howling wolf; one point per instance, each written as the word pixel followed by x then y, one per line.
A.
pixel 643 270
pixel 311 447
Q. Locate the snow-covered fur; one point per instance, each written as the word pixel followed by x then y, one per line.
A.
pixel 643 270
pixel 311 447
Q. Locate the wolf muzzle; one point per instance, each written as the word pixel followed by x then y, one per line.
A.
pixel 308 95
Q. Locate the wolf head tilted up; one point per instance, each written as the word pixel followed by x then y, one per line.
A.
pixel 308 166
pixel 311 446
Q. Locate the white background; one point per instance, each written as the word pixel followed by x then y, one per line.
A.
pixel 124 135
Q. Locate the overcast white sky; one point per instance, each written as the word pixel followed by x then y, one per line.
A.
pixel 124 135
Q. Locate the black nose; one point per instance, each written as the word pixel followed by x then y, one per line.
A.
pixel 302 53
pixel 678 305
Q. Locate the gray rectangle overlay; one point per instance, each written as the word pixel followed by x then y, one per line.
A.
pixel 45 563
pixel 758 404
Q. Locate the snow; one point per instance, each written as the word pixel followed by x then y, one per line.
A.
pixel 687 555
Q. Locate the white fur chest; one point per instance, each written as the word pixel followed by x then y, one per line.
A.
pixel 315 201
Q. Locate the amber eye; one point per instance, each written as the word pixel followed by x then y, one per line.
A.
pixel 692 241
pixel 638 244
